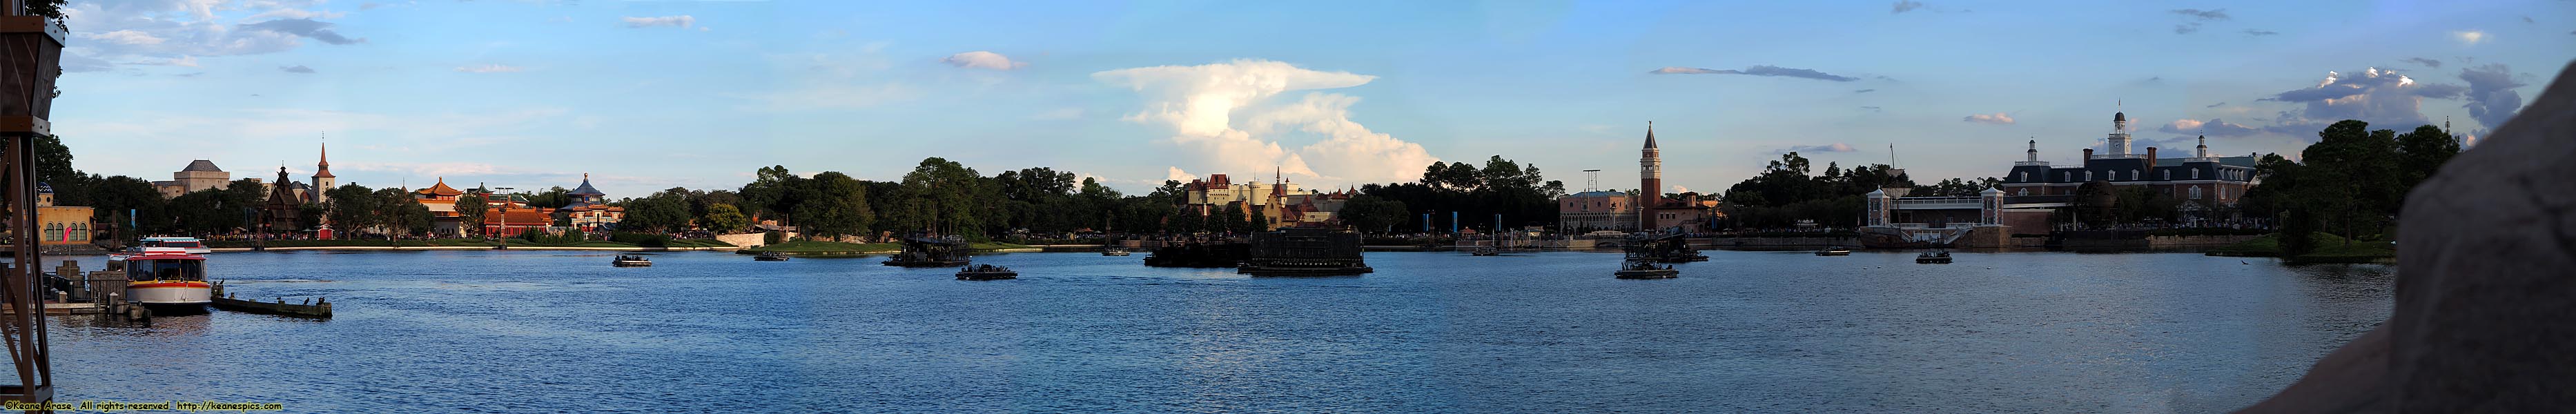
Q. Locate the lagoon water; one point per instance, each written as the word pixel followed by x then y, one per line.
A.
pixel 528 331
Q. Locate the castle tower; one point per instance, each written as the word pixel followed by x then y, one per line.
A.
pixel 1650 180
pixel 322 178
pixel 2119 142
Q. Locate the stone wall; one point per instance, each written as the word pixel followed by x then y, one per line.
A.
pixel 745 240
pixel 2183 241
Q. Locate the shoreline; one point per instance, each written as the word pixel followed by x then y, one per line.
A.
pixel 391 248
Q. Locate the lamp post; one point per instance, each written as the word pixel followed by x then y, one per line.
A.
pixel 505 216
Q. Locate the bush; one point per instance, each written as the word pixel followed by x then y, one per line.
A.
pixel 641 239
pixel 773 237
pixel 543 238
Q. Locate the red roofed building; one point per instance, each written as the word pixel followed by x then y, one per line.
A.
pixel 589 210
pixel 441 201
pixel 510 216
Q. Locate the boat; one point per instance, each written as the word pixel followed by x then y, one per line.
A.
pixel 1305 252
pixel 770 257
pixel 1939 257
pixel 1668 248
pixel 1114 251
pixel 631 260
pixel 921 250
pixel 1834 251
pixel 1485 251
pixel 986 272
pixel 167 278
pixel 187 244
pixel 1641 269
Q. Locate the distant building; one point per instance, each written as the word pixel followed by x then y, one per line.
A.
pixel 441 200
pixel 511 216
pixel 61 225
pixel 2207 184
pixel 284 209
pixel 1595 211
pixel 589 209
pixel 198 175
pixel 1656 212
pixel 1281 204
pixel 323 181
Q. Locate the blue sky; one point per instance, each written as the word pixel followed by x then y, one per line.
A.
pixel 654 94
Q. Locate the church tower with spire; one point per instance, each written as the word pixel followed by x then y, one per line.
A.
pixel 322 179
pixel 1650 180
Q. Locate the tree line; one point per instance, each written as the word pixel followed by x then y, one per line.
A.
pixel 2350 183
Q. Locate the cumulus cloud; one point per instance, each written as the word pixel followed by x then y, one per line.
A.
pixel 1679 189
pixel 1755 70
pixel 1177 175
pixel 488 68
pixel 1906 6
pixel 2211 127
pixel 1834 147
pixel 681 21
pixel 1997 118
pixel 1201 104
pixel 982 59
pixel 2374 96
pixel 295 69
pixel 304 27
pixel 2430 63
pixel 2491 96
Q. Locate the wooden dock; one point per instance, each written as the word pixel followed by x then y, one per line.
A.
pixel 318 308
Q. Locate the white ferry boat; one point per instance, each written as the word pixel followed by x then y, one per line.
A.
pixel 167 277
pixel 189 244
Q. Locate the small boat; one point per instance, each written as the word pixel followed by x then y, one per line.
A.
pixel 986 272
pixel 167 278
pixel 1640 269
pixel 630 260
pixel 1834 251
pixel 1114 251
pixel 1939 257
pixel 1485 251
pixel 770 257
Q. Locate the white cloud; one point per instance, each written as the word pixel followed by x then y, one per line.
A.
pixel 1177 175
pixel 2470 36
pixel 682 21
pixel 489 68
pixel 1678 189
pixel 126 37
pixel 1997 118
pixel 982 59
pixel 1200 104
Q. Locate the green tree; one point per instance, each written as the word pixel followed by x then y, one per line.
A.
pixel 354 208
pixel 835 205
pixel 2422 152
pixel 470 210
pixel 725 219
pixel 1371 213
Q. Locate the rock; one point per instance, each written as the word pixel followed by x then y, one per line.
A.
pixel 2485 318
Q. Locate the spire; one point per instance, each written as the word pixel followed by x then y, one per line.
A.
pixel 323 169
pixel 1650 134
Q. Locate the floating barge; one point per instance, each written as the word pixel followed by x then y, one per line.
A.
pixel 986 272
pixel 1200 253
pixel 1940 257
pixel 1670 248
pixel 1638 269
pixel 1305 252
pixel 925 251
pixel 317 308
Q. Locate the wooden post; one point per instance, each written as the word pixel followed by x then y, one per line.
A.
pixel 30 58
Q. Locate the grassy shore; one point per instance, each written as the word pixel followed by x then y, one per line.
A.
pixel 2329 249
pixel 814 247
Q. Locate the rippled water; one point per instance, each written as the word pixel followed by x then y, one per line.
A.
pixel 480 331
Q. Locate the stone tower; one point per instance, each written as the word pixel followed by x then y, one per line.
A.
pixel 1650 180
pixel 2119 141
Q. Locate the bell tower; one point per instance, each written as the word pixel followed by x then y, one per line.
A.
pixel 1650 180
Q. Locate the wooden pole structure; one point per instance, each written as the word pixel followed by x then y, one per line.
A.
pixel 30 59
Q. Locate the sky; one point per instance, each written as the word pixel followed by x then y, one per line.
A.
pixel 648 95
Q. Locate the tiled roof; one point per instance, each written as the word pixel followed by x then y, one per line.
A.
pixel 586 189
pixel 440 189
pixel 202 166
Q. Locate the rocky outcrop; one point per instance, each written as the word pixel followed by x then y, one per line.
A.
pixel 2485 319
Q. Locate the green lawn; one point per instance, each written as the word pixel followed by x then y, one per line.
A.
pixel 2329 249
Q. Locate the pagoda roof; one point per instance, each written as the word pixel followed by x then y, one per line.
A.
pixel 202 166
pixel 585 188
pixel 440 189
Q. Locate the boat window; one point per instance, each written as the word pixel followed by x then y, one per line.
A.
pixel 167 270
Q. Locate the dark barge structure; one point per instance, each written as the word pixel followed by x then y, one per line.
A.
pixel 1670 248
pixel 924 251
pixel 1305 252
pixel 1208 252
